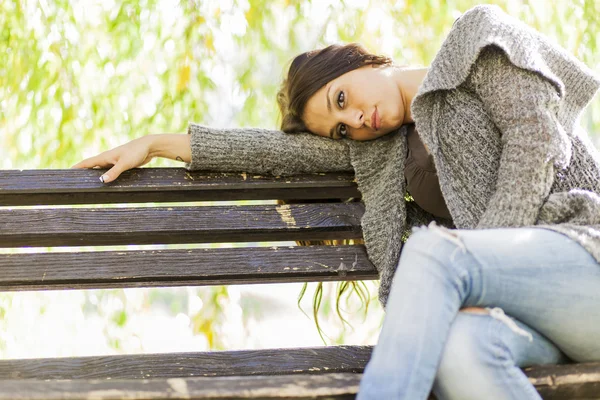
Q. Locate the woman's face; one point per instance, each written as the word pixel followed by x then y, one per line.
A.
pixel 362 104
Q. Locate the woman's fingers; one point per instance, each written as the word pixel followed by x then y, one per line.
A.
pixel 102 161
pixel 99 161
pixel 113 173
pixel 96 161
pixel 122 158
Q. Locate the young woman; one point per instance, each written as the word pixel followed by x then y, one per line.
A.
pixel 507 274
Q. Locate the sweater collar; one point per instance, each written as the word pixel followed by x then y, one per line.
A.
pixel 487 25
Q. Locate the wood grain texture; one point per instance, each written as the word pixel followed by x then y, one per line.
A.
pixel 309 360
pixel 167 225
pixel 77 186
pixel 145 268
pixel 297 387
pixel 316 373
pixel 258 374
pixel 571 381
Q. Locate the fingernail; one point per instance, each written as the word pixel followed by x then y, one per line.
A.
pixel 103 178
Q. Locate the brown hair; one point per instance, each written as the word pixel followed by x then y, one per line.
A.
pixel 311 71
pixel 308 73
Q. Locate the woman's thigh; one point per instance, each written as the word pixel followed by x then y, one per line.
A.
pixel 538 276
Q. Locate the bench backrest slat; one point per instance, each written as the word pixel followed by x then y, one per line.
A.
pixel 158 224
pixel 166 225
pixel 52 187
pixel 181 267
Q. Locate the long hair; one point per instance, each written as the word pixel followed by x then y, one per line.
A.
pixel 308 73
pixel 312 70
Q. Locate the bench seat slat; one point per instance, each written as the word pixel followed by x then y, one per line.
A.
pixel 150 374
pixel 338 386
pixel 76 186
pixel 168 225
pixel 145 268
pixel 572 381
pixel 341 386
pixel 174 365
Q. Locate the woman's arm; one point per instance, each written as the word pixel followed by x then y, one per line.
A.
pixel 265 151
pixel 524 106
pixel 242 149
pixel 139 152
pixel 171 146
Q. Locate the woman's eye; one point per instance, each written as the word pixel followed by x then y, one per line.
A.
pixel 342 130
pixel 340 99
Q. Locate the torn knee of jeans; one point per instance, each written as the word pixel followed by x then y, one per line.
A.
pixel 499 314
pixel 475 310
pixel 446 233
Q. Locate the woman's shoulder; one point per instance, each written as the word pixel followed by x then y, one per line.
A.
pixel 488 26
pixel 482 12
pixel 476 29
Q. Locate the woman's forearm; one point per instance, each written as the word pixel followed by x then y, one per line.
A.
pixel 264 151
pixel 171 145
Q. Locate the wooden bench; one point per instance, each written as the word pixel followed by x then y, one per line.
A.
pixel 331 372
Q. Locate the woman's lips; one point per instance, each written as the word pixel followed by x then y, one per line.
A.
pixel 375 120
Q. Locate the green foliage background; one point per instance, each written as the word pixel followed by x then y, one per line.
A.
pixel 80 77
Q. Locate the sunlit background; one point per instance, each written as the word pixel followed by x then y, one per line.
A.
pixel 80 77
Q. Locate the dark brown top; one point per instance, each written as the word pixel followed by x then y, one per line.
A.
pixel 421 177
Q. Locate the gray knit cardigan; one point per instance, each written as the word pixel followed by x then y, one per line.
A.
pixel 498 110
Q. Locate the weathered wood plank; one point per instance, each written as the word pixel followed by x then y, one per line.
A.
pixel 552 379
pixel 165 225
pixel 77 186
pixel 572 381
pixel 309 360
pixel 296 387
pixel 145 268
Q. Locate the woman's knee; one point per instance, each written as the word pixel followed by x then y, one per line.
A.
pixel 434 250
pixel 467 346
pixel 467 354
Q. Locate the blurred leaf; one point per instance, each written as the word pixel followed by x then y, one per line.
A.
pixel 120 318
pixel 184 77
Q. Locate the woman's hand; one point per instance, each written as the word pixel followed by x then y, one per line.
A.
pixel 130 155
pixel 139 152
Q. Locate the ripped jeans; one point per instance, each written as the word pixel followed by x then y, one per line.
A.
pixel 542 294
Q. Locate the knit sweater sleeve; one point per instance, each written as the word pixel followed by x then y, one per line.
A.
pixel 263 151
pixel 523 105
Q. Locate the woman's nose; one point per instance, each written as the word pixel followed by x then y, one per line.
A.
pixel 356 119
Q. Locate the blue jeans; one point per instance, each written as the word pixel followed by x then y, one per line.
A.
pixel 542 294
